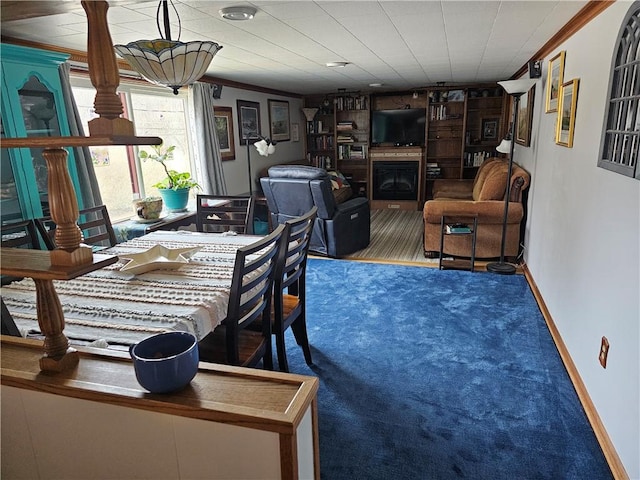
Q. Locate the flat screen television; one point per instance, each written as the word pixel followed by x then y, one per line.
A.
pixel 398 127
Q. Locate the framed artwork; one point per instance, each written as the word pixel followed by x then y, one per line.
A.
pixel 279 126
pixel 489 129
pixel 525 117
pixel 295 132
pixel 224 131
pixel 555 77
pixel 248 121
pixel 567 102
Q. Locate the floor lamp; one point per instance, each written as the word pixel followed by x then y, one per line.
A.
pixel 309 114
pixel 515 88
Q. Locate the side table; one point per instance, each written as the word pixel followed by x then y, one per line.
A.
pixel 457 226
pixel 168 221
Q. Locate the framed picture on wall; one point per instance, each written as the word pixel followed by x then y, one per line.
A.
pixel 524 118
pixel 555 76
pixel 224 131
pixel 248 121
pixel 279 126
pixel 489 129
pixel 567 103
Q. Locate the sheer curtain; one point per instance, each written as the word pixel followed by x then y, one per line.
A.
pixel 208 157
pixel 89 189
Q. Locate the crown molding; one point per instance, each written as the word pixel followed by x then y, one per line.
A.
pixel 80 57
pixel 590 11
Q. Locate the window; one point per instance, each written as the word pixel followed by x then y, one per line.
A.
pixel 121 175
pixel 621 136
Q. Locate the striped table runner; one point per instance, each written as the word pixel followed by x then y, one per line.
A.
pixel 122 309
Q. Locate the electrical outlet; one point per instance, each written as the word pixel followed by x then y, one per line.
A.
pixel 604 352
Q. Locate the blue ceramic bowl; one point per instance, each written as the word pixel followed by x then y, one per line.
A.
pixel 165 362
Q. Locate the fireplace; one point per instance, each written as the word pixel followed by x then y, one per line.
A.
pixel 395 180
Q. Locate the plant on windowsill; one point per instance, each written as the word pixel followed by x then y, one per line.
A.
pixel 174 188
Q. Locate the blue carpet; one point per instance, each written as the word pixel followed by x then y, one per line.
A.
pixel 428 374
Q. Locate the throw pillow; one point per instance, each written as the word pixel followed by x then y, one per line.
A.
pixel 483 172
pixel 495 184
pixel 337 180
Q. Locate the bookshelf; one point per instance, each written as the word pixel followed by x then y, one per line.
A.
pixel 320 137
pixel 456 140
pixel 446 117
pixel 464 127
pixel 352 140
pixel 485 107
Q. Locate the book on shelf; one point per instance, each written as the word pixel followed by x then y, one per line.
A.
pixel 438 112
pixel 320 161
pixel 352 152
pixel 475 159
pixel 323 142
pixel 345 139
pixel 457 228
pixel 348 102
pixel 346 126
pixel 433 170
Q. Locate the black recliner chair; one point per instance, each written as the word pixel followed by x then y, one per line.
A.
pixel 339 229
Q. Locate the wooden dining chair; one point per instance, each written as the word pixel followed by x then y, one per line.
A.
pixel 222 213
pixel 233 342
pixel 289 292
pixel 21 234
pixel 94 222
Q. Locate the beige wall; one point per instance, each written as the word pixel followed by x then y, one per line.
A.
pixel 235 171
pixel 583 238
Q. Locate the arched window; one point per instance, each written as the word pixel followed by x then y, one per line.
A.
pixel 621 136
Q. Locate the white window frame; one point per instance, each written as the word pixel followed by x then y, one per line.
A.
pixel 128 88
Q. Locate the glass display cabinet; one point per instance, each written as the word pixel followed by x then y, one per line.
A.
pixel 32 106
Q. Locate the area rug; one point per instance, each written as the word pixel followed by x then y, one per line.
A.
pixel 396 235
pixel 428 374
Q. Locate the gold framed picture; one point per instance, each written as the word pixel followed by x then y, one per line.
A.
pixel 223 118
pixel 567 102
pixel 525 117
pixel 555 77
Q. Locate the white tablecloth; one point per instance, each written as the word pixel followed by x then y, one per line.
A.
pixel 123 309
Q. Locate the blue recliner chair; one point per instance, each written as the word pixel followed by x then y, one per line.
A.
pixel 339 229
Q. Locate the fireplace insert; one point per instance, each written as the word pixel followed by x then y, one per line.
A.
pixel 395 181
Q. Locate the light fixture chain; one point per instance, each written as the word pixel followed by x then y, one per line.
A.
pixel 165 20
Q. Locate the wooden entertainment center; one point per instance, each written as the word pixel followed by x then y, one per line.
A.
pixel 463 125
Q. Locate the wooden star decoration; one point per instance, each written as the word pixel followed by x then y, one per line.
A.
pixel 156 258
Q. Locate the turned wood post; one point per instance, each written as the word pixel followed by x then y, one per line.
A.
pixel 50 319
pixel 104 74
pixel 62 200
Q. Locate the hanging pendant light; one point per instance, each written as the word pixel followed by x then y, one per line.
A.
pixel 166 62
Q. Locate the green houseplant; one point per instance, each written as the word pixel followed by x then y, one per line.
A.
pixel 174 188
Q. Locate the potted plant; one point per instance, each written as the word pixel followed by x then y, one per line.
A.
pixel 174 188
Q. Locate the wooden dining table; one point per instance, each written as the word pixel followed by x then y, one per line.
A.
pixel 115 308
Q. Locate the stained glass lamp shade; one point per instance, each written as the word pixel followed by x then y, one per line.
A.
pixel 167 62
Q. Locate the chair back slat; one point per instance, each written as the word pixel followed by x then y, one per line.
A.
pixel 94 222
pixel 297 251
pixel 22 234
pixel 222 213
